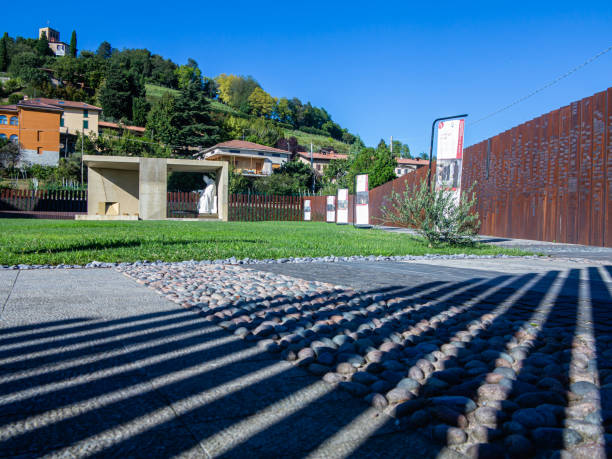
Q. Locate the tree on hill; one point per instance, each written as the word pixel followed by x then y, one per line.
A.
pixel 261 103
pixel 188 74
pixel 42 46
pixel 191 119
pixel 73 45
pixel 115 94
pixel 236 90
pixel 105 51
pixel 159 121
pixel 400 149
pixel 140 110
pixel 4 55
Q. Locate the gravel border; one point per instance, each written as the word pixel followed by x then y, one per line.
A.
pixel 250 261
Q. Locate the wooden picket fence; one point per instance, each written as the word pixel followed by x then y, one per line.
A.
pixel 250 207
pixel 63 201
pixel 182 204
pixel 66 204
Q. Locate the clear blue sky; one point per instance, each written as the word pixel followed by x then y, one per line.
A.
pixel 380 68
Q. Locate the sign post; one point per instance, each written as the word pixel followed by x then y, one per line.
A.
pixel 433 127
pixel 362 202
pixel 307 210
pixel 331 209
pixel 449 154
pixel 342 208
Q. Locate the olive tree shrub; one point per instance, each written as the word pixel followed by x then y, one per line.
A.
pixel 435 215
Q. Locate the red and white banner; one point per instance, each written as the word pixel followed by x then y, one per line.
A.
pixel 449 155
pixel 331 209
pixel 362 200
pixel 450 139
pixel 342 209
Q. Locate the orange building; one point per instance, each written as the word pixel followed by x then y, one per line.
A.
pixel 34 126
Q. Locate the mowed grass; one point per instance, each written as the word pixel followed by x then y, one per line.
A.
pixel 79 242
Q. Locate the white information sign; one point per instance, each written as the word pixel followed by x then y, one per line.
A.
pixel 307 210
pixel 362 200
pixel 450 139
pixel 450 156
pixel 331 209
pixel 342 208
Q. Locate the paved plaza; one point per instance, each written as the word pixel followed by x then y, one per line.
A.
pixel 445 358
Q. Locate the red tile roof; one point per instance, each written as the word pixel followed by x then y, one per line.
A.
pixel 36 104
pixel 412 162
pixel 244 145
pixel 108 124
pixel 325 156
pixel 66 103
pixel 8 108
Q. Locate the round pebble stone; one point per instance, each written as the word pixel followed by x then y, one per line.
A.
pixel 332 377
pixel 363 377
pixel 408 384
pixel 448 434
pixel 354 388
pixel 518 446
pixel 345 368
pixel 555 438
pixel 399 395
pixel 376 400
pixel 493 392
pixel 416 373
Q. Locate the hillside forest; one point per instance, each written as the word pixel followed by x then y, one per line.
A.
pixel 184 110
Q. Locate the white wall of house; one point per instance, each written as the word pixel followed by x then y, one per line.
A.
pixel 73 121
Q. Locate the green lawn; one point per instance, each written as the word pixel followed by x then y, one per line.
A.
pixel 72 242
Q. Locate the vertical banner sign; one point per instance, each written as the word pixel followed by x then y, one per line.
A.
pixel 342 209
pixel 362 201
pixel 450 156
pixel 331 209
pixel 307 210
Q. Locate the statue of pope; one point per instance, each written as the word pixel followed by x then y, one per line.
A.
pixel 208 200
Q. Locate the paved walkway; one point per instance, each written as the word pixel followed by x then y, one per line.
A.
pixel 553 249
pixel 93 364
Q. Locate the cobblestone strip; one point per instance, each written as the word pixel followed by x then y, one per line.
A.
pixel 495 367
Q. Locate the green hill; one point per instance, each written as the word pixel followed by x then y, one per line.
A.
pixel 155 92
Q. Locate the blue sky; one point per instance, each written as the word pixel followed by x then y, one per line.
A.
pixel 380 68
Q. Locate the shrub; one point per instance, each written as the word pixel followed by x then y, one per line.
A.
pixel 436 215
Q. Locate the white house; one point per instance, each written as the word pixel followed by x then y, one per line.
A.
pixel 247 158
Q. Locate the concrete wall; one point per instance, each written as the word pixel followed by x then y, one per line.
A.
pixel 153 186
pixel 222 183
pixel 44 158
pixel 113 185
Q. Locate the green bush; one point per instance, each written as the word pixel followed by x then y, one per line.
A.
pixel 435 214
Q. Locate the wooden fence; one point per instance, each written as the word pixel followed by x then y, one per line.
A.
pixel 66 203
pixel 245 207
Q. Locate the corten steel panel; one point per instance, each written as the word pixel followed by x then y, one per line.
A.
pixel 563 184
pixel 608 171
pixel 573 173
pixel 598 172
pixel 586 169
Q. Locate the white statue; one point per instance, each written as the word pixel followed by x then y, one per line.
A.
pixel 208 200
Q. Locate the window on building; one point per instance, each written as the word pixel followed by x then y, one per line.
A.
pixel 2 119
pixel 62 121
pixel 85 124
pixel 3 136
pixel 85 113
pixel 14 121
pixel 14 138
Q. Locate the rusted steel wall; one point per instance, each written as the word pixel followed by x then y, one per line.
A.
pixel 550 178
pixel 380 196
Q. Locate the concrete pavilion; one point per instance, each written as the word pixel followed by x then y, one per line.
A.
pixel 132 188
